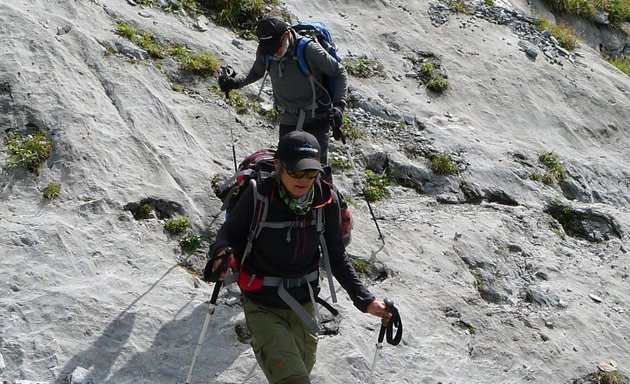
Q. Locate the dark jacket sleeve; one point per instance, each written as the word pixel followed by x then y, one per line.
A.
pixel 256 72
pixel 341 267
pixel 234 231
pixel 317 57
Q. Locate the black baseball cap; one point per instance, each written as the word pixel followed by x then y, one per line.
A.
pixel 269 32
pixel 299 150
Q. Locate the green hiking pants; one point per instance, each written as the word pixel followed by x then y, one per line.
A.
pixel 284 346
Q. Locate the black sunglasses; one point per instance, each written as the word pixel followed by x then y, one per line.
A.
pixel 305 173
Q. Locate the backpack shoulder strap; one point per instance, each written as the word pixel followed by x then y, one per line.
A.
pixel 261 206
pixel 302 42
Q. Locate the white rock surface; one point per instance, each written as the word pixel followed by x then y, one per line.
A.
pixel 86 285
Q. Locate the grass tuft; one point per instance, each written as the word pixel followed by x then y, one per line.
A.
pixel 52 191
pixel 29 151
pixel 177 225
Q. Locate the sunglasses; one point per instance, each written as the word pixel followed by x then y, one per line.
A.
pixel 306 173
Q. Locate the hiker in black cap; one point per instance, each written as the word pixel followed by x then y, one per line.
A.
pixel 276 230
pixel 301 104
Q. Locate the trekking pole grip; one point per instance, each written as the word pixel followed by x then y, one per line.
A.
pixel 216 274
pixel 227 71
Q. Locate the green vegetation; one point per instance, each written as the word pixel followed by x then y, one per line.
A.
pixel 191 62
pixel 478 280
pixel 489 3
pixel 563 33
pixel 200 64
pixel 351 131
pixel 444 165
pixel 340 163
pixel 611 377
pixel 433 80
pixel 190 242
pixel 460 7
pixel 375 186
pixel 52 191
pixel 362 266
pixel 618 10
pixel 555 171
pixel 177 225
pixel 363 68
pixel 427 69
pixel 438 84
pixel 28 151
pixel 240 15
pixel 622 64
pixel 143 211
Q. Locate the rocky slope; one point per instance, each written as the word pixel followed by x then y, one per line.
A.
pixel 498 277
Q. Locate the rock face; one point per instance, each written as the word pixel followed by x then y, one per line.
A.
pixel 511 269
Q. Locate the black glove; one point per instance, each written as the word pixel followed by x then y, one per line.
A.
pixel 336 120
pixel 210 275
pixel 227 83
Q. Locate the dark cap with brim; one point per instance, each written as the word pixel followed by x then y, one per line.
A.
pixel 269 32
pixel 299 150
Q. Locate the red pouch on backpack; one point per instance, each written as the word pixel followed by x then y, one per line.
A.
pixel 249 282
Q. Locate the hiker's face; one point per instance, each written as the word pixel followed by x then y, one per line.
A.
pixel 284 47
pixel 296 187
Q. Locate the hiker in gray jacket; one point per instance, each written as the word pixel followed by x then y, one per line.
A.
pixel 302 104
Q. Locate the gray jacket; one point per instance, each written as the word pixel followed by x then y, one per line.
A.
pixel 292 90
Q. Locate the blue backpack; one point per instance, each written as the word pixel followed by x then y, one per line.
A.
pixel 314 31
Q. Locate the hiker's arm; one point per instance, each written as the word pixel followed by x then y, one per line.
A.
pixel 341 267
pixel 317 57
pixel 233 233
pixel 256 72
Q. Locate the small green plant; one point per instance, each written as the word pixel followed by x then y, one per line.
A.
pixel 52 191
pixel 350 130
pixel 28 151
pixel 555 169
pixel 340 163
pixel 563 33
pixel 148 42
pixel 438 84
pixel 143 211
pixel 460 7
pixel 363 68
pixel 200 64
pixel 444 165
pixel 427 70
pixel 126 30
pixel 240 15
pixel 535 176
pixel 375 186
pixel 489 3
pixel 179 88
pixel 241 103
pixel 622 64
pixel 177 225
pixel 478 280
pixel 190 242
pixel 362 266
pixel 610 377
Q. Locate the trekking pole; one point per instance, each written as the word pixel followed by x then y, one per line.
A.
pixel 228 71
pixel 213 300
pixel 387 327
pixel 356 173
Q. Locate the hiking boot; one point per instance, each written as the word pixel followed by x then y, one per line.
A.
pixel 346 226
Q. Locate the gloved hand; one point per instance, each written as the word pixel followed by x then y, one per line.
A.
pixel 227 83
pixel 217 264
pixel 336 120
